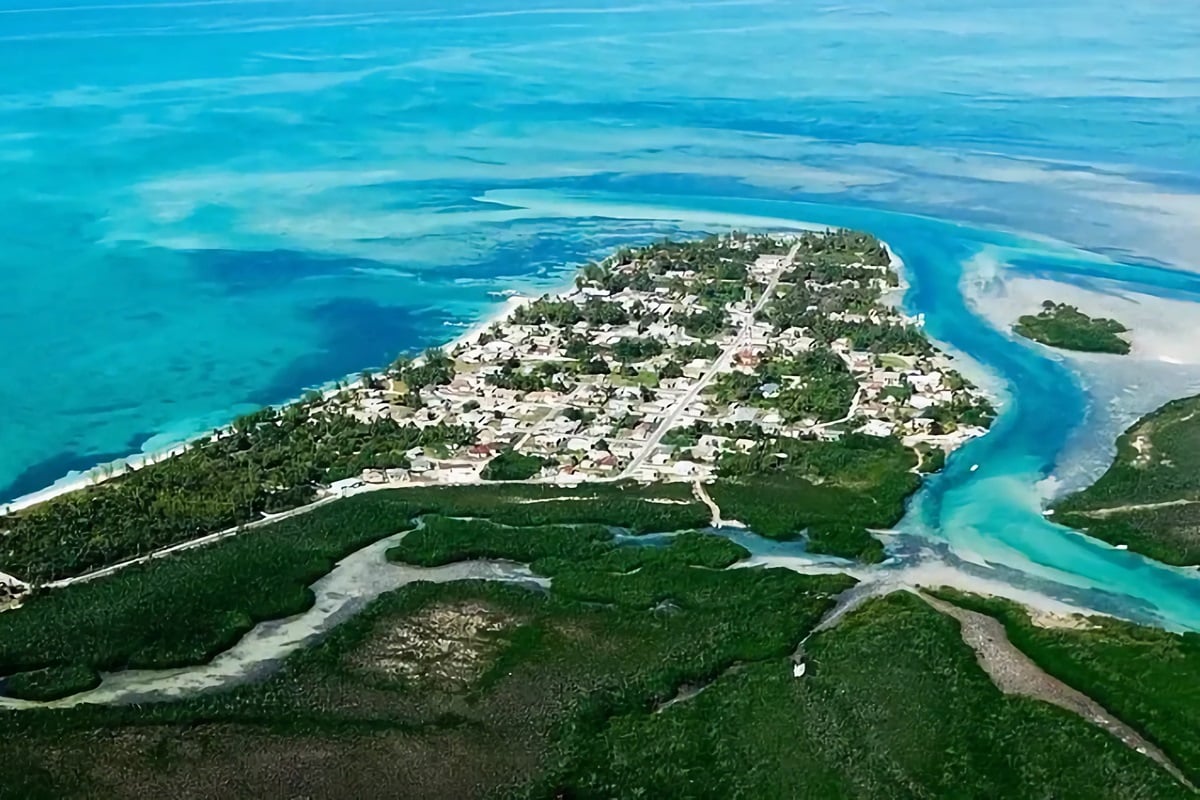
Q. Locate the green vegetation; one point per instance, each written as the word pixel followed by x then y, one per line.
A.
pixel 1149 499
pixel 654 680
pixel 513 466
pixel 1142 675
pixel 436 369
pixel 894 706
pixel 51 683
pixel 564 313
pixel 1170 534
pixel 546 375
pixel 933 459
pixel 555 549
pixel 484 709
pixel 1065 326
pixel 845 540
pixel 443 540
pixel 268 461
pixel 186 608
pixel 814 384
pixel 783 486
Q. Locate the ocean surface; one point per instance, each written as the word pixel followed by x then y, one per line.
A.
pixel 209 205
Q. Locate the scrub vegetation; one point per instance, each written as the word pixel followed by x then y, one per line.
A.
pixel 268 461
pixel 549 697
pixel 1064 326
pixel 51 683
pixel 1149 499
pixel 836 490
pixel 553 549
pixel 186 608
pixel 1143 675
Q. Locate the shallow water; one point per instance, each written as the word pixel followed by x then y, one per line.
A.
pixel 209 205
pixel 350 587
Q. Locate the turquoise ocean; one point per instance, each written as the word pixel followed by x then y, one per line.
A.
pixel 210 205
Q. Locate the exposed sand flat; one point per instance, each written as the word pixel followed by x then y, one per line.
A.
pixel 1159 328
pixel 1163 365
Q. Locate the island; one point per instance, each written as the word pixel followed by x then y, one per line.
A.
pixel 529 565
pixel 1149 499
pixel 1066 327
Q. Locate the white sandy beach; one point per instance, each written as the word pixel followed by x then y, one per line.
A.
pixel 104 472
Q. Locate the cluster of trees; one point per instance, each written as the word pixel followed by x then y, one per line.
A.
pixel 564 313
pixel 268 461
pixel 1065 326
pixel 843 247
pixel 824 392
pixel 537 378
pixel 436 368
pixel 614 281
pixel 784 486
pixel 698 350
pixel 514 466
pixel 802 307
pixel 874 337
pixel 713 257
pixel 703 324
pixel 715 295
pixel 964 410
pixel 828 269
pixel 630 351
pixel 848 460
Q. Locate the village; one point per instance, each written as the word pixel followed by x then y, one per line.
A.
pixel 664 358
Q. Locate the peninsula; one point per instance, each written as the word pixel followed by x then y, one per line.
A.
pixel 517 567
pixel 1066 327
pixel 735 358
pixel 1149 499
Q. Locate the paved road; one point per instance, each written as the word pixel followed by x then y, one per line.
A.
pixel 719 366
pixel 661 431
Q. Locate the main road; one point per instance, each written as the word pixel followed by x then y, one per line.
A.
pixel 719 366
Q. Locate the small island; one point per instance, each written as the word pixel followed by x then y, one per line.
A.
pixel 1066 327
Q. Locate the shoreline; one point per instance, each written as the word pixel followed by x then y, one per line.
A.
pixel 103 472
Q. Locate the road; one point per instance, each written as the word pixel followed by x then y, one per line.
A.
pixel 667 423
pixel 191 544
pixel 1015 673
pixel 719 366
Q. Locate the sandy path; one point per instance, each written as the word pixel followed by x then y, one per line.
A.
pixel 1013 672
pixel 1108 512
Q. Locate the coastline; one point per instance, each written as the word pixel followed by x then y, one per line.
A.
pixel 104 472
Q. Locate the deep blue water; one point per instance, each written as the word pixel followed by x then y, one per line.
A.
pixel 213 204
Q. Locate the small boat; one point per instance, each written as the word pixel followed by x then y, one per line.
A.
pixel 974 467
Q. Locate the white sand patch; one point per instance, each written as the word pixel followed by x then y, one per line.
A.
pixel 1159 329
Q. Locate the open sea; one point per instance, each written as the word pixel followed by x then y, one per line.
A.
pixel 210 205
